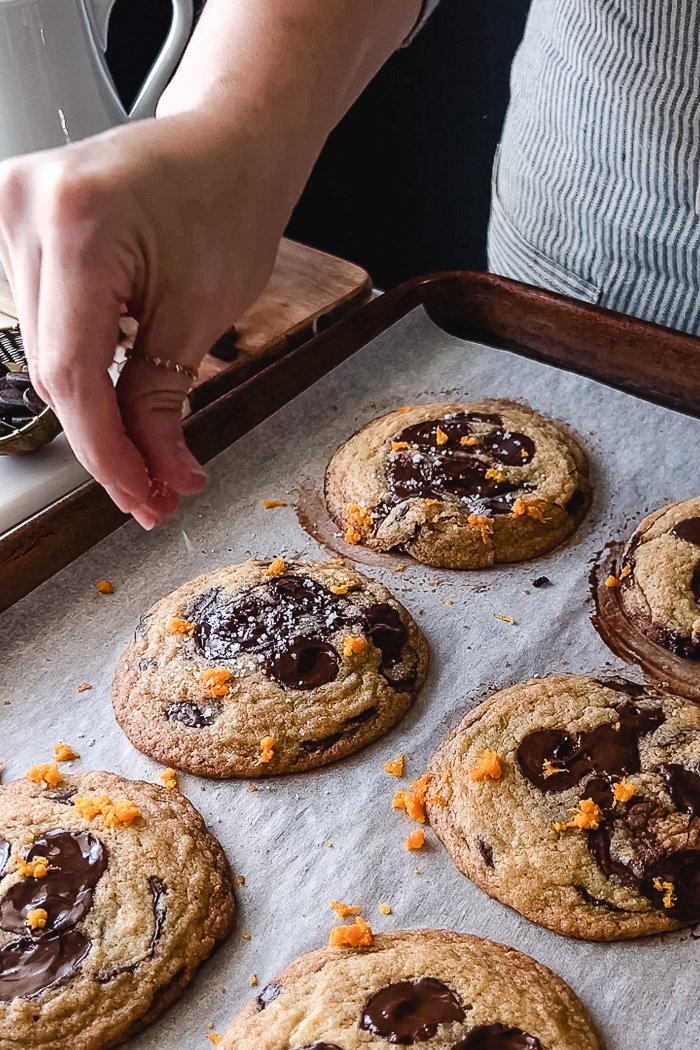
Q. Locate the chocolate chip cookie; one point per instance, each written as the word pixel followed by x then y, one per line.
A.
pixel 576 801
pixel 459 486
pixel 660 578
pixel 112 892
pixel 427 987
pixel 268 667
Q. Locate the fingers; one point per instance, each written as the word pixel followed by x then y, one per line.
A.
pixel 151 401
pixel 77 325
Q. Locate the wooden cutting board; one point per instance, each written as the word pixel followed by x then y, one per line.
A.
pixel 308 290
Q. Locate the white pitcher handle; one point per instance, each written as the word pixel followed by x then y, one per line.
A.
pixel 168 56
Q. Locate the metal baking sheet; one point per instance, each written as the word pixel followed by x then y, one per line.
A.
pixel 641 994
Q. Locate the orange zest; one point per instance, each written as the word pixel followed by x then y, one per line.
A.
pixel 169 778
pixel 483 524
pixel 105 587
pixel 416 840
pixel 346 911
pixel 32 869
pixel 441 437
pixel 489 767
pixel 359 935
pixel 612 581
pixel 358 523
pixel 116 814
pixel 395 767
pixel 267 750
pixel 217 680
pixel 343 588
pixel 399 446
pixel 521 507
pixel 468 442
pixel 352 646
pixel 179 626
pixel 271 504
pixel 64 752
pixel 37 918
pixel 587 818
pixel 46 773
pixel 413 801
pixel 276 567
pixel 667 889
pixel 495 475
pixel 623 791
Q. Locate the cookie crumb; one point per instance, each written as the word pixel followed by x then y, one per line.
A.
pixel 115 814
pixel 399 568
pixel 587 818
pixel 253 980
pixel 37 918
pixel 352 645
pixel 271 504
pixel 169 778
pixel 505 619
pixel 32 869
pixel 346 911
pixel 358 935
pixel 217 680
pixel 64 752
pixel 416 840
pixel 623 791
pixel 252 788
pixel 105 587
pixel 395 767
pixel 84 687
pixel 46 773
pixel 668 890
pixel 612 581
pixel 542 581
pixel 246 936
pixel 489 767
pixel 385 909
pixel 276 567
pixel 483 524
pixel 179 626
pixel 267 750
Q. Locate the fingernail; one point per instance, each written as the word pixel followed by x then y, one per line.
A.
pixel 145 520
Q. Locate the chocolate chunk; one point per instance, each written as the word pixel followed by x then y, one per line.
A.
pixel 268 995
pixel 486 852
pixel 609 749
pixel 410 1011
pixel 192 715
pixel 683 785
pixel 574 504
pixel 5 851
pixel 319 1046
pixel 387 631
pixel 28 967
pixel 688 530
pixel 679 874
pixel 312 747
pixel 360 719
pixel 303 663
pixel 77 863
pixel 498 1037
pixel 63 796
pixel 638 844
pixel 695 584
pixel 542 581
pixel 428 470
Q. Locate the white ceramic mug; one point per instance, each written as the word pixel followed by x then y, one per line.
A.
pixel 55 86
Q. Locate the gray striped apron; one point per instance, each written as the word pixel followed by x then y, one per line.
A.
pixel 596 177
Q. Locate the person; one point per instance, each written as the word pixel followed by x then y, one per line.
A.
pixel 177 220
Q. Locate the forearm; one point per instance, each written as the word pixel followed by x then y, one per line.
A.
pixel 286 71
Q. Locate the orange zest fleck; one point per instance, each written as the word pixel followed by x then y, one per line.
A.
pixel 276 567
pixel 550 770
pixel 217 680
pixel 521 507
pixel 169 778
pixel 483 524
pixel 385 909
pixel 441 437
pixel 667 889
pixel 84 687
pixel 215 1038
pixel 399 446
pixel 413 801
pixel 587 818
pixel 253 980
pixel 416 840
pixel 272 504
pixel 352 645
pixel 346 911
pixel 395 767
pixel 359 935
pixel 623 791
pixel 504 619
pixel 495 475
pixel 267 750
pixel 179 626
pixel 32 869
pixel 343 588
pixel 115 814
pixel 64 752
pixel 612 581
pixel 468 442
pixel 404 409
pixel 37 918
pixel 105 587
pixel 626 571
pixel 489 767
pixel 358 523
pixel 46 773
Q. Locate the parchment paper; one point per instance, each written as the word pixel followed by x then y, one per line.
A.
pixel 643 995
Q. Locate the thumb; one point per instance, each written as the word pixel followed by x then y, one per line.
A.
pixel 151 401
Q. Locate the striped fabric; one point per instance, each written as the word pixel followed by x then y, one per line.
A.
pixel 596 178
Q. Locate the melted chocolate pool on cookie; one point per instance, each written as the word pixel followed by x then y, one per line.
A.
pixel 408 1012
pixel 43 958
pixel 430 470
pixel 630 843
pixel 498 1037
pixel 287 623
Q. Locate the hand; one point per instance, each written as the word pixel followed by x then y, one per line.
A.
pixel 167 220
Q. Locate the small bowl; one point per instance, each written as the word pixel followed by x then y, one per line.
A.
pixel 44 427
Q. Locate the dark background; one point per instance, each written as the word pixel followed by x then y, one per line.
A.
pixel 403 184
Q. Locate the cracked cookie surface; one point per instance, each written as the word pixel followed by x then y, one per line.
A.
pixel 430 989
pixel 459 485
pixel 112 892
pixel 589 821
pixel 266 668
pixel 660 578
